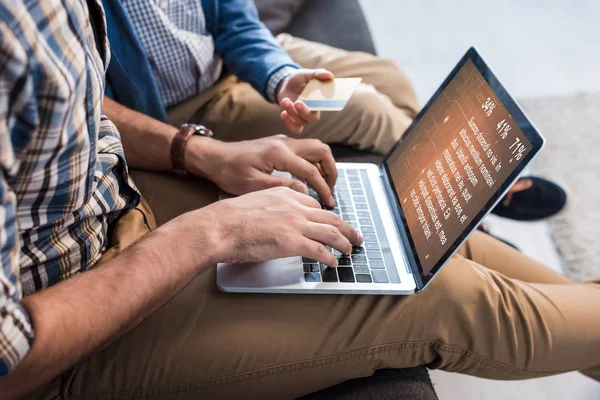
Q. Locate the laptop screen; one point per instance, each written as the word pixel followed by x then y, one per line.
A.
pixel 452 162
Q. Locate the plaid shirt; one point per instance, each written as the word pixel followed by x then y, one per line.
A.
pixel 181 52
pixel 63 177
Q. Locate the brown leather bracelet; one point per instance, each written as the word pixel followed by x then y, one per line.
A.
pixel 180 141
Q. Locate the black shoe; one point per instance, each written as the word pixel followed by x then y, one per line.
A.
pixel 542 200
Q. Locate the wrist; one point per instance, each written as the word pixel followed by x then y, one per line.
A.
pixel 193 239
pixel 201 155
pixel 276 82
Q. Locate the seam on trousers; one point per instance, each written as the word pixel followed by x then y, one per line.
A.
pixel 145 217
pixel 309 364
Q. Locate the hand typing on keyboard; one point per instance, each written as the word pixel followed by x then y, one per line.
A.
pixel 245 167
pixel 277 223
pixel 366 262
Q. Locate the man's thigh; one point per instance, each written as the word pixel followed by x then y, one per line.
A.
pixel 209 344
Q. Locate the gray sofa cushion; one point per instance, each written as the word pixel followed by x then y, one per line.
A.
pixel 338 23
pixel 277 14
pixel 385 384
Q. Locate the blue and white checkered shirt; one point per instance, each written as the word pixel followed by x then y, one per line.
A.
pixel 63 176
pixel 180 50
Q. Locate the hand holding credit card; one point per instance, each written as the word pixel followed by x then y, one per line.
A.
pixel 332 95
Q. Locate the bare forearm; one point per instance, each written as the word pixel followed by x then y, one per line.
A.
pixel 85 313
pixel 146 141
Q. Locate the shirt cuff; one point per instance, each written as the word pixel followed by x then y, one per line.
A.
pixel 276 79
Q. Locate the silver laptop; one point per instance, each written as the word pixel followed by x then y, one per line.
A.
pixel 461 154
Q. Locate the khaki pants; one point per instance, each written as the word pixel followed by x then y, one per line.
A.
pixel 491 312
pixel 380 110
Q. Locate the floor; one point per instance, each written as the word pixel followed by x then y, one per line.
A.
pixel 537 48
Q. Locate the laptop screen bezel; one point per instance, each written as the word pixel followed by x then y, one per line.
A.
pixel 532 134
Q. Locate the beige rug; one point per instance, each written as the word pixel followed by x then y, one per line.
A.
pixel 571 126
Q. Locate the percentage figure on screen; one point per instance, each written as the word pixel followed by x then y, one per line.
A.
pixel 488 106
pixel 518 148
pixel 503 127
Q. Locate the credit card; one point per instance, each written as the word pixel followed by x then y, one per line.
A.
pixel 332 95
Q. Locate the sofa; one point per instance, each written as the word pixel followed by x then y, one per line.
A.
pixel 341 23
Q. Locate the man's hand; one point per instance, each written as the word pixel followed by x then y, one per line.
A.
pixel 244 167
pixel 276 223
pixel 295 113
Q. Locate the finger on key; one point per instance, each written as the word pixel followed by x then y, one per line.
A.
pixel 309 173
pixel 329 218
pixel 315 151
pixel 328 235
pixel 317 251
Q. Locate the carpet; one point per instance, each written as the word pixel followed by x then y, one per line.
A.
pixel 571 157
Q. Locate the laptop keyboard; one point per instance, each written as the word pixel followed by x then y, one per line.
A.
pixel 367 263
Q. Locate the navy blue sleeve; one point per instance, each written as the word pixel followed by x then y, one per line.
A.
pixel 246 45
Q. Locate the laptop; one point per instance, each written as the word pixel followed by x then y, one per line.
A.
pixel 454 163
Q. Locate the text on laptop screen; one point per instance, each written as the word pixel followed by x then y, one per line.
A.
pixel 453 161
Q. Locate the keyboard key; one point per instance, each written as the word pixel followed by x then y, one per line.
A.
pixel 348 217
pixel 361 206
pixel 351 172
pixel 345 274
pixel 371 246
pixel 363 278
pixel 374 254
pixel 361 268
pixel 307 260
pixel 353 224
pixel 367 229
pixel 312 277
pixel 377 264
pixel 365 221
pixel 343 261
pixel 344 202
pixel 328 274
pixel 363 214
pixel 370 237
pixel 380 276
pixel 359 259
pixel 359 199
pixel 357 192
pixel 358 250
pixel 341 173
pixel 311 267
pixel 353 179
pixel 355 185
pixel 343 197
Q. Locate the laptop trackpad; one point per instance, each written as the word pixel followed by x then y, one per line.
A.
pixel 268 274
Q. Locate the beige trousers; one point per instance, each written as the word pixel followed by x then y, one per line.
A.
pixel 380 110
pixel 491 312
